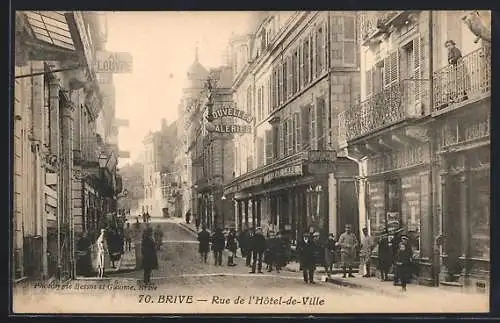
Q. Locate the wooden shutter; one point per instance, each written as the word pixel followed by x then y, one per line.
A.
pixel 320 117
pixel 290 129
pixel 312 128
pixel 391 68
pixel 417 67
pixel 325 46
pixel 296 119
pixel 369 82
pixel 305 124
pixel 312 54
pixel 260 152
pixel 281 135
pixel 290 75
pixel 269 146
pixel 301 65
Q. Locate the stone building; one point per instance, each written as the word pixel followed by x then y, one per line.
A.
pixel 421 130
pixel 57 100
pixel 159 173
pixel 294 72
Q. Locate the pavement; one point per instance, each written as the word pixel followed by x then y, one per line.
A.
pixel 182 276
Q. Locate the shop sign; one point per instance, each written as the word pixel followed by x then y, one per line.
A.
pixel 322 156
pixel 289 171
pixel 231 190
pixel 227 111
pixel 412 156
pixel 220 128
pixel 321 168
pixel 251 182
pixel 464 132
pixel 113 62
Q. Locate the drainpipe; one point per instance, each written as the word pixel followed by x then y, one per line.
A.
pixel 361 193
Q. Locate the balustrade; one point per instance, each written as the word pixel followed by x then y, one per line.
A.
pixel 374 21
pixel 395 103
pixel 469 78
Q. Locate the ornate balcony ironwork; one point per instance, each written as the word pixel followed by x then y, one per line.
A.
pixel 469 79
pixel 396 103
pixel 375 22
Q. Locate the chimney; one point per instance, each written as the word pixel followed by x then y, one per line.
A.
pixel 163 124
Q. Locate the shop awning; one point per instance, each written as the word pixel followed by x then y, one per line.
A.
pixel 50 27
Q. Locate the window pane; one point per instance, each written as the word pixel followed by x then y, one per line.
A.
pixel 349 28
pixel 349 52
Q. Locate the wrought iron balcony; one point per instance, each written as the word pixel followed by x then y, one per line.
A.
pixel 396 103
pixel 468 80
pixel 374 22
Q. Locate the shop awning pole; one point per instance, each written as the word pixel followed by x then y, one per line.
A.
pixel 48 72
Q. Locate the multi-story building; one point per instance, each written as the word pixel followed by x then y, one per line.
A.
pixel 212 150
pixel 57 100
pixel 196 76
pixel 422 131
pixel 158 171
pixel 294 73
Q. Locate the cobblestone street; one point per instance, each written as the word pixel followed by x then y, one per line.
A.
pixel 214 289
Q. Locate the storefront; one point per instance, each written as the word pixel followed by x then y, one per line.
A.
pixel 464 149
pixel 292 195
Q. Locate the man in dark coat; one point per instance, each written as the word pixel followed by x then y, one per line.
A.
pixel 384 256
pixel 149 257
pixel 204 240
pixel 306 250
pixel 232 246
pixel 218 245
pixel 279 251
pixel 394 244
pixel 403 257
pixel 258 246
pixel 243 239
pixel 248 248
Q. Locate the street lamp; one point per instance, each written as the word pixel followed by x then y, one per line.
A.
pixel 103 160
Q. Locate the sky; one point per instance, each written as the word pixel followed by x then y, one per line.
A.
pixel 163 47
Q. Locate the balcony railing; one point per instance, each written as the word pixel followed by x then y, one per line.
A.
pixel 375 21
pixel 468 79
pixel 396 103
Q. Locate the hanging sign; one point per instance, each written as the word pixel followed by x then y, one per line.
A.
pixel 227 111
pixel 221 128
pixel 113 62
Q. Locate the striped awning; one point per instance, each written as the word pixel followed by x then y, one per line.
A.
pixel 50 27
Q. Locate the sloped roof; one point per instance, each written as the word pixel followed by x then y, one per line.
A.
pixel 50 27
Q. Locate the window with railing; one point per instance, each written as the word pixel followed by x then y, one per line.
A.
pixel 469 78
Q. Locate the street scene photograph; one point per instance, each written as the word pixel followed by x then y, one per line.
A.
pixel 197 162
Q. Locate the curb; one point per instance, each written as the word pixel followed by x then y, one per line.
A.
pixel 185 226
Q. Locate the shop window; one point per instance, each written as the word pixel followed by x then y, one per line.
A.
pixel 393 204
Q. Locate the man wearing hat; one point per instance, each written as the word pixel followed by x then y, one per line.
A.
pixel 306 250
pixel 258 245
pixel 404 257
pixel 366 252
pixel 348 244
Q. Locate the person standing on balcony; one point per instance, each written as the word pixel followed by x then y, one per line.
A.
pixel 459 76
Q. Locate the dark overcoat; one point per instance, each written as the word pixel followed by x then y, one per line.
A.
pixel 204 239
pixel 149 257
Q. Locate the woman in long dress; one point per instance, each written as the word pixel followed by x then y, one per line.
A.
pixel 101 252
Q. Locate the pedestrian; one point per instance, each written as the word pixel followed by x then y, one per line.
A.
pixel 148 217
pixel 384 256
pixel 128 237
pixel 144 218
pixel 348 244
pixel 269 250
pixel 114 247
pixel 306 250
pixel 365 253
pixel 258 246
pixel 188 216
pixel 248 238
pixel 101 253
pixel 149 256
pixel 218 244
pixel 204 243
pixel 231 246
pixel 197 222
pixel 158 237
pixel 394 245
pixel 330 250
pixel 404 257
pixel 279 251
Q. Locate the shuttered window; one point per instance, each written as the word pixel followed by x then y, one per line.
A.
pixel 312 127
pixel 269 146
pixel 312 58
pixel 297 127
pixel 417 66
pixel 369 82
pixel 319 50
pixel 281 137
pixel 290 139
pixel 320 117
pixel 305 64
pixel 391 68
pixel 295 71
pixel 301 66
pixel 260 152
pixel 305 124
pixel 276 142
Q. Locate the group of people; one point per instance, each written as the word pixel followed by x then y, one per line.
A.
pixel 274 250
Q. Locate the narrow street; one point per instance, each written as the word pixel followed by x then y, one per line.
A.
pixel 214 289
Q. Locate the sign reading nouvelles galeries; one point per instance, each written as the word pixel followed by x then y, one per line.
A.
pixel 223 125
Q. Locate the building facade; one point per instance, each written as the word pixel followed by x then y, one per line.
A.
pixel 419 146
pixel 57 100
pixel 159 172
pixel 302 70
